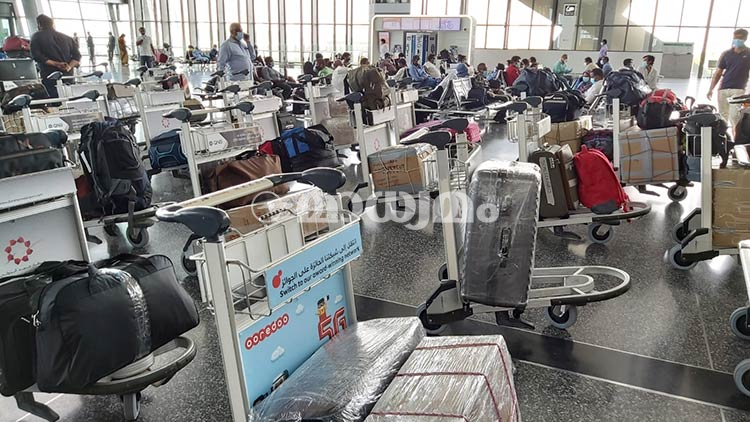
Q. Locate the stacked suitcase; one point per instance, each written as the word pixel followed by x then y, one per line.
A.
pixel 559 180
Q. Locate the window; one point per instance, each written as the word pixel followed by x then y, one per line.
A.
pixel 588 38
pixel 725 13
pixel 669 12
pixel 617 12
pixel 495 36
pixel 590 12
pixel 231 11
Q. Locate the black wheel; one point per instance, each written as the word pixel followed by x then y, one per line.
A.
pixel 430 328
pixel 742 376
pixel 188 264
pixel 442 272
pixel 677 261
pixel 679 232
pixel 677 192
pixel 138 237
pixel 600 233
pixel 738 323
pixel 562 316
pixel 112 230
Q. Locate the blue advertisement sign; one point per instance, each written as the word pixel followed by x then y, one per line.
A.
pixel 276 345
pixel 297 272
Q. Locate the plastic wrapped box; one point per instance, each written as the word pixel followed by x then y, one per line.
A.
pixel 452 378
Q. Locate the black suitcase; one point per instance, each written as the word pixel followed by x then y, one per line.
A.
pixel 553 202
pixel 565 155
pixel 497 257
pixel 98 321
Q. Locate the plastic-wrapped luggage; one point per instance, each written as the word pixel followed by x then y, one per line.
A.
pixel 497 257
pixel 452 378
pixel 344 379
pixel 343 133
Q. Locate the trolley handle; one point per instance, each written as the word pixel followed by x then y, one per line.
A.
pixel 439 139
pixel 739 99
pixel 533 101
pixel 25 100
pixel 184 114
pixel 206 222
pixel 57 75
pixel 234 88
pixel 700 119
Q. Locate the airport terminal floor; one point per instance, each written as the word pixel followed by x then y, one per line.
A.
pixel 663 351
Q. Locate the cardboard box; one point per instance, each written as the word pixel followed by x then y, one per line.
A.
pixel 568 133
pixel 402 168
pixel 728 238
pixel 309 204
pixel 648 156
pixel 731 204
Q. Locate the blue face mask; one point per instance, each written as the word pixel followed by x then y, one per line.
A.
pixel 238 36
pixel 586 79
pixel 738 44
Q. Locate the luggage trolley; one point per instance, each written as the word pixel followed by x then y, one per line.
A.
pixel 122 101
pixel 273 291
pixel 266 106
pixel 153 102
pixel 739 322
pixel 694 234
pixel 538 124
pixel 76 85
pixel 568 287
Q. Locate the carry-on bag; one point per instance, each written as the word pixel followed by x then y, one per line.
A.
pixel 105 317
pixel 563 106
pixel 553 201
pixel 497 257
pixel 241 170
pixel 37 91
pixel 165 151
pixel 568 168
pixel 598 185
pixel 111 158
pixel 656 110
pixel 304 148
pixel 31 152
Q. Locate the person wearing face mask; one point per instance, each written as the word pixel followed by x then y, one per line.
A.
pixel 649 72
pixel 418 75
pixel 602 53
pixel 268 73
pixel 583 83
pixel 596 87
pixel 234 54
pixel 561 68
pixel 732 70
pixel 512 71
pixel 590 65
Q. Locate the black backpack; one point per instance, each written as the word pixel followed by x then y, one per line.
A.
pixel 304 148
pixel 628 86
pixel 721 142
pixel 111 161
pixel 535 82
pixel 742 129
pixel 563 106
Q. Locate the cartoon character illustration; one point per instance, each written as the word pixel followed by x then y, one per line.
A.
pixel 325 320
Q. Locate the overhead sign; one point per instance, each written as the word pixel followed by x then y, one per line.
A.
pixel 570 9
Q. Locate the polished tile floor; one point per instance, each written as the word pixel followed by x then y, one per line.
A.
pixel 661 352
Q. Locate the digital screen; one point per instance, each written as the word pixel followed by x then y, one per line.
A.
pixel 450 24
pixel 391 24
pixel 430 24
pixel 410 23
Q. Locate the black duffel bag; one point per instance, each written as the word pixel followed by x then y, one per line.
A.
pixel 563 106
pixel 31 152
pixel 103 318
pixel 37 91
pixel 304 148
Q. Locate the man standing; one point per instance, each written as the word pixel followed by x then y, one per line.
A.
pixel 111 42
pixel 649 72
pixel 145 48
pixel 53 51
pixel 90 45
pixel 235 55
pixel 733 69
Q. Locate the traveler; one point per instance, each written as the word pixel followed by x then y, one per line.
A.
pixel 111 43
pixel 145 48
pixel 649 72
pixel 235 55
pixel 431 67
pixel 462 70
pixel 268 73
pixel 90 45
pixel 496 74
pixel 732 70
pixel 214 53
pixel 627 64
pixel 122 46
pixel 339 74
pixel 512 71
pixel 596 88
pixel 583 83
pixel 606 67
pixel 602 53
pixel 75 40
pixel 324 70
pixel 419 77
pixel 384 48
pixel 533 63
pixel 589 64
pixel 403 70
pixel 53 51
pixel 387 65
pixel 561 68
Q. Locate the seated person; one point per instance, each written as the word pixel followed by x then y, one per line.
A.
pixel 583 83
pixel 403 70
pixel 388 65
pixel 418 75
pixel 561 68
pixel 199 56
pixel 268 73
pixel 213 54
pixel 308 69
pixel 596 87
pixel 189 53
pixel 339 74
pixel 324 70
pixel 462 70
pixel 430 66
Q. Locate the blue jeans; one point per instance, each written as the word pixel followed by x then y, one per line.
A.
pixel 148 61
pixel 428 83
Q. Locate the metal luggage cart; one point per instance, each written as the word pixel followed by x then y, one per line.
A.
pixel 273 292
pixel 153 102
pixel 565 287
pixel 694 234
pixel 266 106
pixel 155 74
pixel 453 98
pixel 122 101
pixel 739 322
pixel 77 85
pixel 599 225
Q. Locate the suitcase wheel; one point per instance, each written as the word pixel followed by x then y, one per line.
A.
pixel 562 316
pixel 677 192
pixel 429 327
pixel 138 237
pixel 600 233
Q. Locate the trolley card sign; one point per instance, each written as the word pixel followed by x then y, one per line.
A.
pixel 71 122
pixel 294 274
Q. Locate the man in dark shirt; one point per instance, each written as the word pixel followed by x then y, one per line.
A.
pixel 53 51
pixel 733 70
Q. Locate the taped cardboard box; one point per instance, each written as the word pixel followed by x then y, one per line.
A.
pixel 309 204
pixel 568 133
pixel 731 206
pixel 648 156
pixel 403 168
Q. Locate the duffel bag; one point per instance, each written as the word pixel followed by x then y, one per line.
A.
pixel 31 152
pixel 165 151
pixel 241 170
pixel 656 109
pixel 104 317
pixel 16 43
pixel 600 139
pixel 563 106
pixel 37 91
pixel 304 148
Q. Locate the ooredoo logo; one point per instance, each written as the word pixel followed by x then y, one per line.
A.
pixel 18 250
pixel 276 282
pixel 266 331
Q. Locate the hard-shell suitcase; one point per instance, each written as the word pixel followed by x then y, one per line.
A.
pixel 165 151
pixel 565 155
pixel 497 257
pixel 553 201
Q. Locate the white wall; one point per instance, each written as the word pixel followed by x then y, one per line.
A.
pixel 549 57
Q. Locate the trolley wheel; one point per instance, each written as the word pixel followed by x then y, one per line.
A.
pixel 138 237
pixel 679 233
pixel 742 376
pixel 188 264
pixel 431 329
pixel 562 318
pixel 131 406
pixel 677 192
pixel 738 323
pixel 597 236
pixel 112 230
pixel 442 272
pixel 677 261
